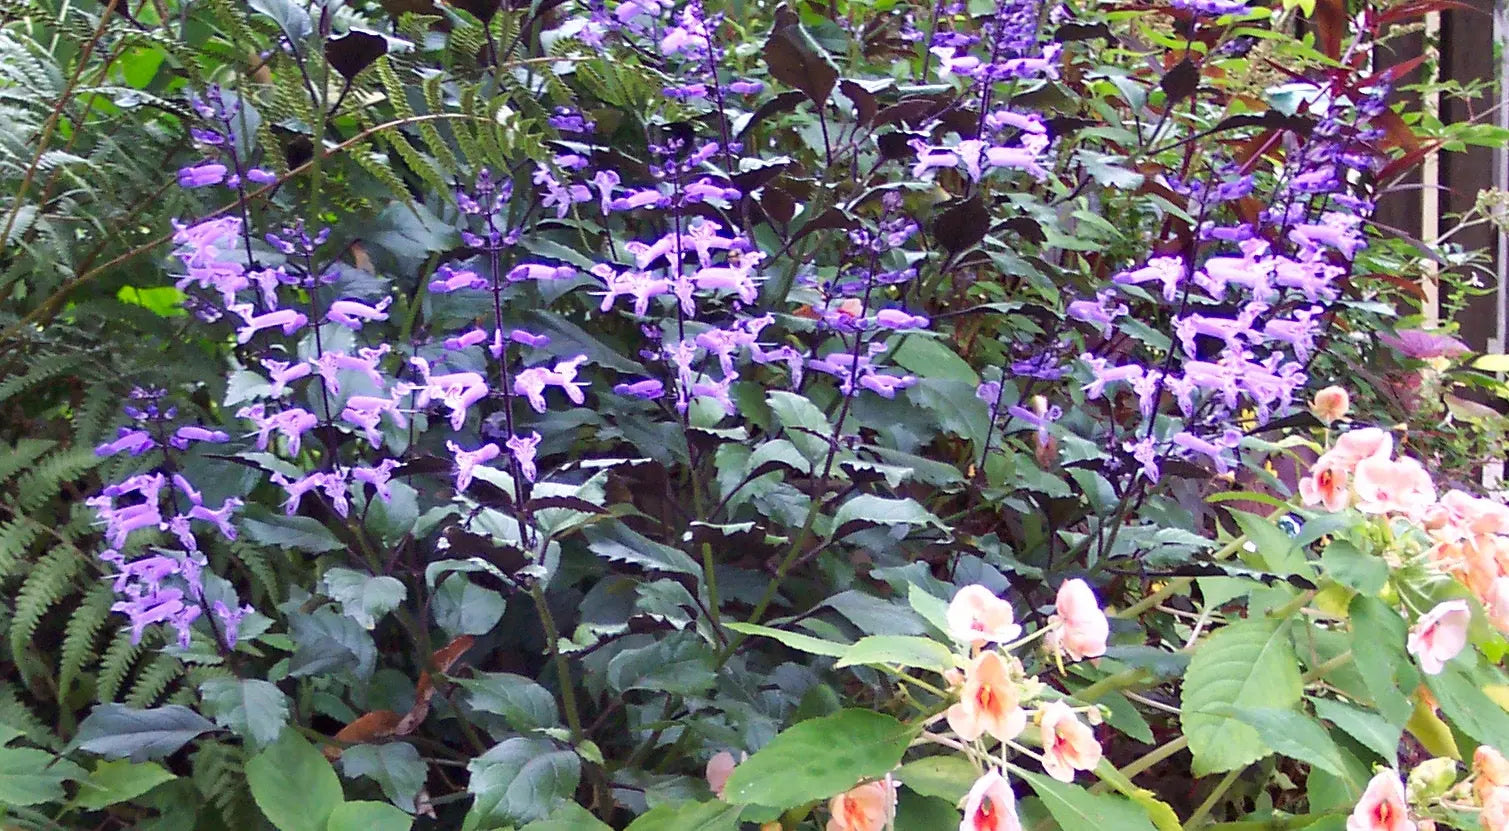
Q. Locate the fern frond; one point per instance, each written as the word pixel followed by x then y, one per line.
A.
pixel 154 680
pixel 115 666
pixel 81 636
pixel 47 583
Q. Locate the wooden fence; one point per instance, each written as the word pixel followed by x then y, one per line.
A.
pixel 1468 42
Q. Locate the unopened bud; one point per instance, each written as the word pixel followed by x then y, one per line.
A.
pixel 1430 779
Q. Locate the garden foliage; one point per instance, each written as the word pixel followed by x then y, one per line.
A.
pixel 668 415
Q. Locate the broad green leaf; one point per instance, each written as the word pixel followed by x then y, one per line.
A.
pixel 932 609
pixel 1297 736
pixel 568 817
pixel 368 816
pixel 363 598
pixel 251 708
pixel 521 702
pixel 465 608
pixel 795 640
pixel 1247 664
pixel 681 663
pixel 867 511
pixel 394 766
pixel 1076 808
pixel 1276 550
pixel 327 642
pixel 520 780
pixel 1492 363
pixel 689 816
pixel 915 812
pixel 1378 634
pixel 116 731
pixel 931 358
pixel 1353 568
pixel 945 776
pixel 118 781
pixel 1468 709
pixel 297 532
pixel 900 650
pixel 617 542
pixel 1370 729
pixel 820 757
pixel 29 776
pixel 806 425
pixel 293 784
pixel 1158 811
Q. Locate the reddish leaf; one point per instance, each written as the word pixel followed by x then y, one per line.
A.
pixel 1419 8
pixel 444 658
pixel 1398 134
pixel 1404 163
pixel 1330 24
pixel 378 724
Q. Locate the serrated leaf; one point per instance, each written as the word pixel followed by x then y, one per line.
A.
pixel 252 708
pixel 1246 664
pixel 1074 807
pixel 363 597
pixel 1296 735
pixel 394 766
pixel 520 780
pixel 818 758
pixel 898 650
pixel 118 781
pixel 946 777
pixel 1369 729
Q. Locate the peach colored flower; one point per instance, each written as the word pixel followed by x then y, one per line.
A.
pixel 719 768
pixel 1398 486
pixel 1382 807
pixel 989 702
pixel 1068 743
pixel 990 806
pixel 1495 816
pixel 1330 404
pixel 1083 626
pixel 1326 485
pixel 1355 445
pixel 867 807
pixel 977 617
pixel 1459 514
pixel 1490 771
pixel 1497 605
pixel 1439 635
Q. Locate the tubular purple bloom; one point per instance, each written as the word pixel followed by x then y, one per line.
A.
pixel 646 389
pixel 134 442
pixel 201 175
pixel 468 460
pixel 288 320
pixel 523 450
pixel 378 477
pixel 353 313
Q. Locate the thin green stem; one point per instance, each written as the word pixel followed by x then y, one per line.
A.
pixel 562 666
pixel 1198 817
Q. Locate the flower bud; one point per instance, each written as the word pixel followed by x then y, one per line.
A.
pixel 1330 404
pixel 1431 779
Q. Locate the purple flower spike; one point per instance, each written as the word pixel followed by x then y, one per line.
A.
pixel 134 442
pixel 353 313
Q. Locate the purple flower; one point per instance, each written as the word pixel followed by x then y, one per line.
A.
pixel 456 390
pixel 1145 452
pixel 378 477
pixel 353 313
pixel 201 175
pixel 646 389
pixel 288 320
pixel 535 271
pixel 531 383
pixel 1168 271
pixel 1099 312
pixel 230 620
pixel 448 279
pixel 163 606
pixel 468 339
pixel 529 338
pixel 1423 345
pixel 523 450
pixel 468 460
pixel 134 442
pixel 284 373
pixel 260 176
pixel 900 319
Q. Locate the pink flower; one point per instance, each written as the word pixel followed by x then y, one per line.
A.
pixel 1498 604
pixel 1355 445
pixel 1439 635
pixel 988 702
pixel 1495 816
pixel 719 768
pixel 990 806
pixel 1326 485
pixel 977 617
pixel 1083 627
pixel 1068 743
pixel 1330 404
pixel 1399 486
pixel 1382 806
pixel 868 807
